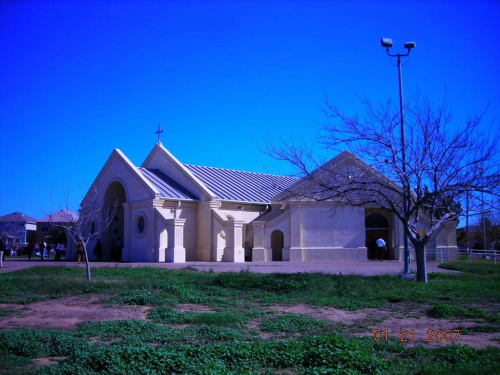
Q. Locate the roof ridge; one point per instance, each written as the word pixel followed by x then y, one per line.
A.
pixel 20 215
pixel 239 170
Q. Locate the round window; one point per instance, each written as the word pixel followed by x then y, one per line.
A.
pixel 141 224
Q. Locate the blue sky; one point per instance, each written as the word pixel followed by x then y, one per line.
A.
pixel 80 78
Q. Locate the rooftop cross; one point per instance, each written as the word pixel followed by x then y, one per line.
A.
pixel 159 131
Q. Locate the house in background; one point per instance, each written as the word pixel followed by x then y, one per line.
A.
pixel 18 228
pixel 55 219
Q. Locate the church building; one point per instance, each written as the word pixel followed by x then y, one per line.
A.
pixel 167 211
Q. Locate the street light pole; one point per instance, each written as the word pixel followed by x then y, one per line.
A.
pixel 484 224
pixel 386 42
pixel 483 213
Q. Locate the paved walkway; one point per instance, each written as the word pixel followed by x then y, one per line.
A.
pixel 345 267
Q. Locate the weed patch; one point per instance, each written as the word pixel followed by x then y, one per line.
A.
pixel 442 310
pixel 291 324
pixel 168 316
pixel 227 338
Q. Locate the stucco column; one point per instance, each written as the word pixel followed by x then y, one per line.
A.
pixel 176 252
pixel 296 251
pixel 234 251
pixel 446 241
pixel 205 238
pixel 451 232
pixel 258 251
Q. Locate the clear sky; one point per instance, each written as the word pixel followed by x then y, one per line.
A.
pixel 80 78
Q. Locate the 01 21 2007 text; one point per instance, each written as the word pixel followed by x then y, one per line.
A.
pixel 431 335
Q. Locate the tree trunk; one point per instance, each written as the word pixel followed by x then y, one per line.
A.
pixel 87 264
pixel 421 262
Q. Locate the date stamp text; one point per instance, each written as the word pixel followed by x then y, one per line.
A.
pixel 408 335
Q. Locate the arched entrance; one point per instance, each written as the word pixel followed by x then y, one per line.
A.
pixel 114 239
pixel 221 246
pixel 376 226
pixel 277 240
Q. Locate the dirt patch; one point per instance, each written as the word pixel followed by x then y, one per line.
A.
pixel 331 314
pixel 67 313
pixel 409 330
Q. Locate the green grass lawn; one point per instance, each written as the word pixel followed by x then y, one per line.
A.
pixel 239 335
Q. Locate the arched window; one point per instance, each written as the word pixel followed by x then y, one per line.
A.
pixel 141 224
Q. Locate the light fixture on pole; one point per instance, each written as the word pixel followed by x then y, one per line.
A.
pixel 387 43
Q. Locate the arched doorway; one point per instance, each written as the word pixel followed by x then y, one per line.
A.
pixel 277 240
pixel 376 226
pixel 114 240
pixel 221 246
pixel 163 244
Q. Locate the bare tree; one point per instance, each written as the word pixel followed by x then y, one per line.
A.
pixel 442 164
pixel 94 218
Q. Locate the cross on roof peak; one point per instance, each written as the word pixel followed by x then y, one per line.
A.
pixel 159 131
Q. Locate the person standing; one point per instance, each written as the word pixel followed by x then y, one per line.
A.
pixel 2 251
pixel 58 252
pixel 43 245
pixel 30 248
pixel 98 250
pixel 382 246
pixel 80 253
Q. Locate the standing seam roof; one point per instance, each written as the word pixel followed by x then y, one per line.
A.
pixel 241 186
pixel 167 187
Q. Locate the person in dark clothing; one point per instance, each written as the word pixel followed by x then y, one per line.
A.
pixel 58 252
pixel 98 250
pixel 30 248
pixel 382 248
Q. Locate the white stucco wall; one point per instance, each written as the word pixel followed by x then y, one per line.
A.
pixel 333 234
pixel 141 247
pixel 322 227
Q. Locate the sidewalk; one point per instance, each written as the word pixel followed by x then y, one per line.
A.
pixel 344 267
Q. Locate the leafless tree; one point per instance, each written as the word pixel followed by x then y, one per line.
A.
pixel 94 218
pixel 442 164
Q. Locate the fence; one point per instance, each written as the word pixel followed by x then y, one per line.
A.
pixel 486 254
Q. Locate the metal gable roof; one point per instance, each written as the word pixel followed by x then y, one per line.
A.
pixel 241 186
pixel 167 187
